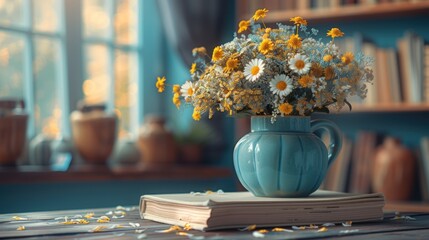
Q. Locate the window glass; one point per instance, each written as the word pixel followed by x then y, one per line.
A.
pixel 97 22
pixel 46 15
pixel 97 81
pixel 46 65
pixel 126 90
pixel 126 18
pixel 12 64
pixel 12 13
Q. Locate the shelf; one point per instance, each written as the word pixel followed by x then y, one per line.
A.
pixel 83 174
pixel 407 207
pixel 387 108
pixel 350 12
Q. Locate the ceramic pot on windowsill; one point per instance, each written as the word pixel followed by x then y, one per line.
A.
pixel 156 143
pixel 94 135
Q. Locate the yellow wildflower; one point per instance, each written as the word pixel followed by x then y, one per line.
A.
pixel 259 14
pixel 335 32
pixel 327 58
pixel 305 81
pixel 176 88
pixel 231 64
pixel 217 53
pixel 176 100
pixel 160 84
pixel 347 58
pixel 266 46
pixel 199 50
pixel 298 21
pixel 285 108
pixel 193 68
pixel 294 41
pixel 196 115
pixel 243 26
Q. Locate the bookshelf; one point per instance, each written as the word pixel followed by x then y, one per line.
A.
pixel 382 25
pixel 333 10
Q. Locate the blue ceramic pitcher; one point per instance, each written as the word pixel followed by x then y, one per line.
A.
pixel 285 158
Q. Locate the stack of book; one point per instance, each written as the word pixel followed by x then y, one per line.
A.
pixel 240 209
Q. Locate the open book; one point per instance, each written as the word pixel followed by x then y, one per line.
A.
pixel 240 209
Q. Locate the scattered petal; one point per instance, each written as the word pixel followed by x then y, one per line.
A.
pixel 298 228
pixel 349 231
pixel 141 236
pixel 60 218
pixel 406 218
pixel 140 230
pixel 21 228
pixel 171 229
pixel 134 225
pixel 220 191
pixel 120 212
pixel 328 224
pixel 312 226
pixel 97 229
pixel 322 229
pixel 103 219
pixel 116 226
pixel 187 227
pixel 89 215
pixel 248 228
pixel 109 213
pixel 184 234
pixel 281 230
pixel 263 231
pixel 257 234
pixel 18 218
pixel 347 224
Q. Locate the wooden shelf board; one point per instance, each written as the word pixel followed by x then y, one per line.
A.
pixel 83 174
pixel 419 207
pixel 351 12
pixel 386 108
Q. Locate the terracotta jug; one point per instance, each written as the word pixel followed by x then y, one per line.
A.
pixel 156 143
pixel 393 171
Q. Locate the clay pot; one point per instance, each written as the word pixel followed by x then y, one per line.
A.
pixel 94 135
pixel 156 143
pixel 13 130
pixel 393 171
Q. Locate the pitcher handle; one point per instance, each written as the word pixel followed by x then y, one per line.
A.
pixel 334 147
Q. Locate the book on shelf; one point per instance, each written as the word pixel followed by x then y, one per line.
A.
pixel 363 153
pixel 337 177
pixel 424 168
pixel 240 209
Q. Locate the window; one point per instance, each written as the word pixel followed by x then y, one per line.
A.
pixel 35 38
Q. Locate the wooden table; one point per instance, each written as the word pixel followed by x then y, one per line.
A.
pixel 125 223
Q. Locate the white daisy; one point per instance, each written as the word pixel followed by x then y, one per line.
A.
pixel 254 69
pixel 281 85
pixel 300 64
pixel 187 90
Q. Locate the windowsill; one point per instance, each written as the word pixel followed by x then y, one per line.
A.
pixel 36 174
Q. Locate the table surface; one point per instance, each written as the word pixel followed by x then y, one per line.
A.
pixel 125 223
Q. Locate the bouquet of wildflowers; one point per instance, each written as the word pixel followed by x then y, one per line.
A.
pixel 276 72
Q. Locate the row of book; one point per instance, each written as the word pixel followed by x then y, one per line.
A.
pixel 353 169
pixel 401 74
pixel 286 5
